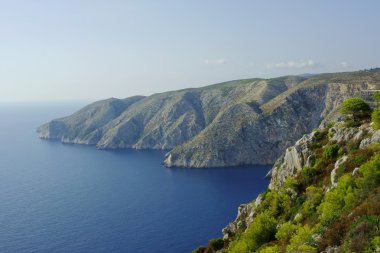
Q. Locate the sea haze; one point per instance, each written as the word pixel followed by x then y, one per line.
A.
pixel 72 198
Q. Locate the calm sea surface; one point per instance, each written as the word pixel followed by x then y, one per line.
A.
pixel 71 198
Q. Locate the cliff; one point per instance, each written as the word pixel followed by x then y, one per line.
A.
pixel 239 122
pixel 323 197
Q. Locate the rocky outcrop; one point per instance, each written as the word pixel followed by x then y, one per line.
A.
pixel 240 122
pixel 88 124
pixel 372 136
pixel 292 161
pixel 295 158
pixel 260 135
pixel 333 175
pixel 245 216
pixel 302 154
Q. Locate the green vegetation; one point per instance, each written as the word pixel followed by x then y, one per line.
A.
pixel 309 214
pixel 331 151
pixel 216 125
pixel 376 97
pixel 375 116
pixel 357 109
pixel 213 246
pixel 262 230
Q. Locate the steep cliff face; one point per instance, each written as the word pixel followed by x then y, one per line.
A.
pixel 323 197
pixel 87 125
pixel 259 134
pixel 240 122
pixel 302 154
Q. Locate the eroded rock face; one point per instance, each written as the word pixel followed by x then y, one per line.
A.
pixel 301 154
pixel 292 161
pixel 260 137
pixel 240 122
pixel 373 136
pixel 245 216
pixel 338 163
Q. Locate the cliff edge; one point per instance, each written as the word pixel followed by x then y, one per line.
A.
pixel 250 121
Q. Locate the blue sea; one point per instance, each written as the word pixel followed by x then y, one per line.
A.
pixel 73 198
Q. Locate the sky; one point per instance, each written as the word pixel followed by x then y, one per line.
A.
pixel 96 49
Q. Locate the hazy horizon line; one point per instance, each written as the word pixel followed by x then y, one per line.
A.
pixel 91 100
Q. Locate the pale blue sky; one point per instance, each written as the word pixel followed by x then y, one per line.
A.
pixel 78 49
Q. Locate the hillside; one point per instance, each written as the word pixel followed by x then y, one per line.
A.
pixel 249 121
pixel 324 196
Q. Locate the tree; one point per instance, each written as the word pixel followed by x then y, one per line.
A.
pixel 357 108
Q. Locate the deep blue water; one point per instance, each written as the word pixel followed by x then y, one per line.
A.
pixel 71 198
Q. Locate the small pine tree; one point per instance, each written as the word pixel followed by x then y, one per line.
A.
pixel 357 108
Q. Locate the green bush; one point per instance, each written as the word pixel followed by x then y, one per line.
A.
pixel 285 232
pixel 314 197
pixel 334 233
pixel 359 157
pixel 330 124
pixel 362 230
pixel 331 151
pixel 374 244
pixel 306 216
pixel 270 249
pixel 320 139
pixel 261 231
pixel 376 97
pixel 308 174
pixel 200 249
pixel 356 108
pixel 371 175
pixel 337 200
pixel 375 117
pixel 302 241
pixel 319 164
pixel 353 145
pixel 216 244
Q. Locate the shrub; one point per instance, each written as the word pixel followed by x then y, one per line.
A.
pixel 357 108
pixel 358 158
pixel 337 200
pixel 319 164
pixel 216 244
pixel 285 232
pixel 270 204
pixel 200 249
pixel 340 152
pixel 320 139
pixel 295 209
pixel 302 241
pixel 334 234
pixel 261 231
pixel 371 175
pixel 374 244
pixel 330 124
pixel 270 249
pixel 375 117
pixel 308 174
pixel 362 231
pixel 376 97
pixel 331 151
pixel 353 145
pixel 314 197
